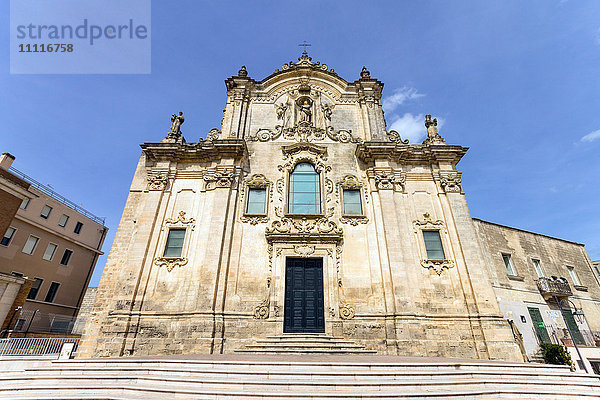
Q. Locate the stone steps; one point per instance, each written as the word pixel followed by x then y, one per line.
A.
pixel 304 343
pixel 292 377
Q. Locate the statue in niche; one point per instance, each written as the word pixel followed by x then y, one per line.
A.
pixel 176 122
pixel 304 110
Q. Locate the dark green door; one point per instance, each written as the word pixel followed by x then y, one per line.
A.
pixel 304 310
pixel 538 325
pixel 577 336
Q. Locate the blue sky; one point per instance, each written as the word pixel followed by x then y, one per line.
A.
pixel 517 82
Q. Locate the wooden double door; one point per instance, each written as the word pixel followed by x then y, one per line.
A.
pixel 304 309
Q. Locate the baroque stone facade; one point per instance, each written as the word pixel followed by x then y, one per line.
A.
pixel 381 286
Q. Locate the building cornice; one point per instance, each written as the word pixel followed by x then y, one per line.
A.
pixel 410 153
pixel 203 151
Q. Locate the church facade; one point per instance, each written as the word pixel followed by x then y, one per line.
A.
pixel 301 214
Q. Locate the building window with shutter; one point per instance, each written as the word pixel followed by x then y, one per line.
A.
pixel 30 245
pixel 433 245
pixel 8 236
pixel 46 211
pixel 78 227
pixel 49 253
pixel 63 220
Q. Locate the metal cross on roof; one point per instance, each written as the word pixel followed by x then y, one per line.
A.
pixel 305 44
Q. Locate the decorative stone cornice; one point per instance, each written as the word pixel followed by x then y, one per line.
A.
pixel 157 182
pixel 203 151
pixel 304 132
pixel 181 220
pixel 450 181
pixel 409 153
pixel 438 266
pixel 170 262
pixel 427 222
pixel 304 230
pixel 387 179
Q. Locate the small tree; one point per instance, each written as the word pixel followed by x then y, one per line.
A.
pixel 556 354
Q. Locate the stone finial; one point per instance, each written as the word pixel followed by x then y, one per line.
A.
pixel 365 74
pixel 433 137
pixel 243 72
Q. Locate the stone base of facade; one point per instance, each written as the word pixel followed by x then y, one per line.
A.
pixel 151 334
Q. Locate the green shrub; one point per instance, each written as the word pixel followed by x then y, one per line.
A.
pixel 556 354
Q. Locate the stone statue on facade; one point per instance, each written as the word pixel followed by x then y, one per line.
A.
pixel 327 111
pixel 281 110
pixel 174 135
pixel 305 111
pixel 433 137
pixel 176 122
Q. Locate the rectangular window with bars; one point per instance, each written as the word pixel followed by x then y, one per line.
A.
pixel 256 201
pixel 433 245
pixel 174 245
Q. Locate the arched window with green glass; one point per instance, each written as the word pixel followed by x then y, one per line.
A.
pixel 304 190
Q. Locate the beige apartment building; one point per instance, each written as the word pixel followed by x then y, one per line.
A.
pixel 55 243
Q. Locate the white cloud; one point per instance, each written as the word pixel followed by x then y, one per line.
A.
pixel 399 97
pixel 591 136
pixel 412 126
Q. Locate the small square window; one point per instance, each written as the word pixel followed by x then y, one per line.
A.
pixel 63 220
pixel 35 288
pixel 46 211
pixel 78 227
pixel 8 236
pixel 433 245
pixel 256 201
pixel 174 243
pixel 66 257
pixel 352 204
pixel 18 274
pixel 24 204
pixel 574 276
pixel 510 269
pixel 29 247
pixel 51 295
pixel 49 253
pixel 538 268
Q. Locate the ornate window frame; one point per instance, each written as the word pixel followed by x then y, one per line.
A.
pixel 426 223
pixel 351 182
pixel 181 222
pixel 256 181
pixel 305 153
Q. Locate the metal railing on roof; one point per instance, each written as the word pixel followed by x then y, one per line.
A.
pixel 50 192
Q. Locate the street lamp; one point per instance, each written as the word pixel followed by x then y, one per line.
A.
pixel 577 313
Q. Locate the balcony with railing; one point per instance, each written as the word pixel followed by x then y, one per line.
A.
pixel 550 287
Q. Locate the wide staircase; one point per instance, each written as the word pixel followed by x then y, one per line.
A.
pixel 304 343
pixel 256 376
